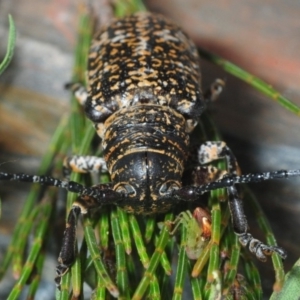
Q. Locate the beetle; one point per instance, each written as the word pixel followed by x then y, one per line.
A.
pixel 145 98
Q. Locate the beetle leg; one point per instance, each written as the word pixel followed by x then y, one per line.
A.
pixel 67 253
pixel 211 151
pixel 214 91
pixel 239 223
pixel 79 92
pixel 205 174
pixel 87 202
pixel 83 164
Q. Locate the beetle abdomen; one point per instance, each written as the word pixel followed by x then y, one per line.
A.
pixel 143 58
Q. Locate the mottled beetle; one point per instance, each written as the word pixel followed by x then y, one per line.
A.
pixel 144 96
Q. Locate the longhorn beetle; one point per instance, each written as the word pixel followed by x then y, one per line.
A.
pixel 144 97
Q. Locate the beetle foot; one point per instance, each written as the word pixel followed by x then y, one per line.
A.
pixel 61 270
pixel 259 249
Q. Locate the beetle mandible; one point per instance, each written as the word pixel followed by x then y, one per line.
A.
pixel 144 96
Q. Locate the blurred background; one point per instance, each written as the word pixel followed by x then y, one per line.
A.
pixel 261 37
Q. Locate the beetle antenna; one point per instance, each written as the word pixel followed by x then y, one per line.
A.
pixel 100 192
pixel 70 186
pixel 230 179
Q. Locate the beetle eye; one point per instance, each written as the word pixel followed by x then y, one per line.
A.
pixel 126 189
pixel 168 186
